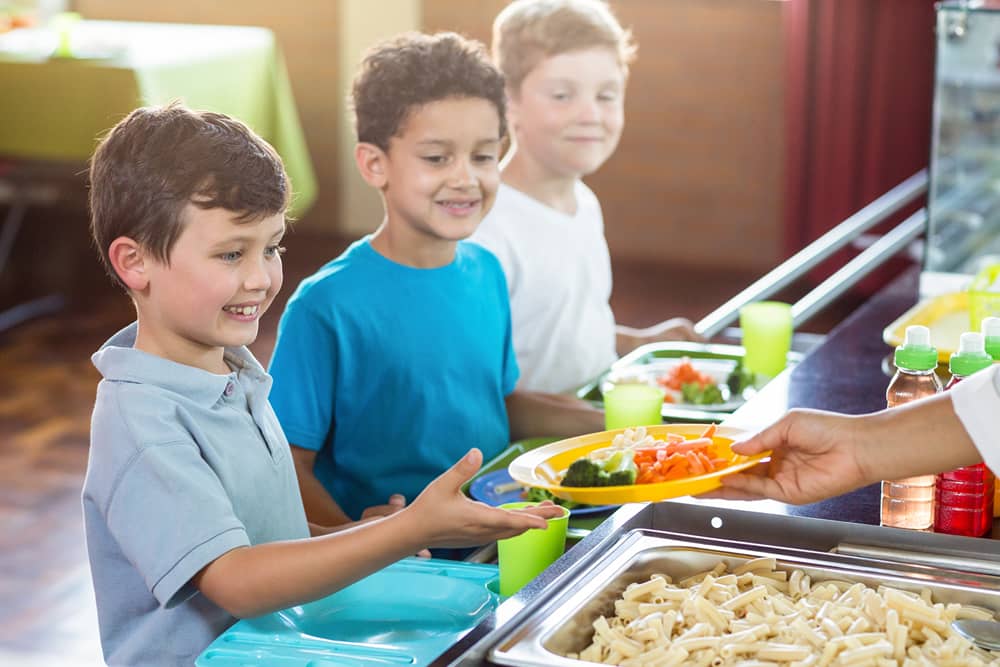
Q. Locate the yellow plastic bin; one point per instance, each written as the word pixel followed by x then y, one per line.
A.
pixel 984 296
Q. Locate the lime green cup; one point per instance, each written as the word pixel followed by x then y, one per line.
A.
pixel 767 337
pixel 632 404
pixel 523 557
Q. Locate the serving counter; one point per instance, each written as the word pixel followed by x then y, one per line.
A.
pixel 848 373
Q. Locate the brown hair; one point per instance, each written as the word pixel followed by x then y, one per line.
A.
pixel 401 74
pixel 527 31
pixel 158 159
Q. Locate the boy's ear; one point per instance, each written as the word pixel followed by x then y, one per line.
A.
pixel 129 261
pixel 371 161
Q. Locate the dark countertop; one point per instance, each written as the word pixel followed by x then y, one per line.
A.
pixel 848 373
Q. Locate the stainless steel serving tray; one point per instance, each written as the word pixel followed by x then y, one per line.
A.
pixel 563 623
pixel 675 350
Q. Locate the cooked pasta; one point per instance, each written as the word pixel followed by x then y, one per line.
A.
pixel 759 616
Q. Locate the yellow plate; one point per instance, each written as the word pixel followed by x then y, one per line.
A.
pixel 544 466
pixel 947 316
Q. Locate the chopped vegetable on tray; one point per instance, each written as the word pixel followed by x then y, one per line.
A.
pixel 635 457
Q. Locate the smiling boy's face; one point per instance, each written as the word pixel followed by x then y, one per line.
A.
pixel 222 276
pixel 568 114
pixel 440 174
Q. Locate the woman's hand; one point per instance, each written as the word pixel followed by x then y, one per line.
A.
pixel 815 455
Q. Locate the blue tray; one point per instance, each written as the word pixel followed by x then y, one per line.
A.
pixel 491 489
pixel 405 614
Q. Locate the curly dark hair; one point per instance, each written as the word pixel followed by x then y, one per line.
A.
pixel 158 159
pixel 408 71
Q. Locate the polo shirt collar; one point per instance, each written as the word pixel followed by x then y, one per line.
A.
pixel 119 361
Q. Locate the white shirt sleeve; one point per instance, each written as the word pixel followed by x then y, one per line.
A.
pixel 977 403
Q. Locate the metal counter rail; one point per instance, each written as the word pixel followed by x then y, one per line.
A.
pixel 823 247
pixel 867 261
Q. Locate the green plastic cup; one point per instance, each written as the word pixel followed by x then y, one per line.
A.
pixel 767 337
pixel 632 404
pixel 523 557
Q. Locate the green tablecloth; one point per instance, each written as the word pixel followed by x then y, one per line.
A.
pixel 56 109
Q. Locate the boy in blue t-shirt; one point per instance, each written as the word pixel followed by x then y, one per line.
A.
pixel 396 357
pixel 191 505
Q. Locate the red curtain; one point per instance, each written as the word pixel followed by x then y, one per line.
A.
pixel 860 77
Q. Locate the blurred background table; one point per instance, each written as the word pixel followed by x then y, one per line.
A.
pixel 56 109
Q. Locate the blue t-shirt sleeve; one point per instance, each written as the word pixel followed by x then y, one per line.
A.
pixel 189 520
pixel 303 369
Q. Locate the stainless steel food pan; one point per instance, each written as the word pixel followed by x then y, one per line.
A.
pixel 563 623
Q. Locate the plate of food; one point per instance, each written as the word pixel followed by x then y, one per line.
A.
pixel 498 487
pixel 648 463
pixel 715 385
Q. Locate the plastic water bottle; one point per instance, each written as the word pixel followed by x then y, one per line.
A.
pixel 909 503
pixel 963 498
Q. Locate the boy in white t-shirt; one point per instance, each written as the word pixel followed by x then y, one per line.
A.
pixel 565 64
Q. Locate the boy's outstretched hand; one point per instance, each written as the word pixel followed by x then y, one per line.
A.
pixel 815 455
pixel 676 328
pixel 450 519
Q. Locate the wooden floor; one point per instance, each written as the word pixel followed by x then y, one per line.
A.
pixel 47 614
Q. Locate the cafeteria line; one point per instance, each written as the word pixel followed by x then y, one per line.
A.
pixel 752 560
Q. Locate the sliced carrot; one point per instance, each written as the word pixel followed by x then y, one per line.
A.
pixel 705 461
pixel 675 457
pixel 697 444
pixel 677 472
pixel 695 463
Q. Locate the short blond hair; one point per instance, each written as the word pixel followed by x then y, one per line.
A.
pixel 526 32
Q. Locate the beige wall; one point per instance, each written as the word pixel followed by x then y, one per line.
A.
pixel 698 175
pixel 360 206
pixel 308 38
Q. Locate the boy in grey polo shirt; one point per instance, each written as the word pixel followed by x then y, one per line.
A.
pixel 191 506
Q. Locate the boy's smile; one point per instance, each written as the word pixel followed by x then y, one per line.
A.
pixel 222 276
pixel 438 178
pixel 568 114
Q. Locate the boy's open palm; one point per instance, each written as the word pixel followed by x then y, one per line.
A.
pixel 453 520
pixel 814 456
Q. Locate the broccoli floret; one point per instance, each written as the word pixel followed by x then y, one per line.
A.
pixel 692 392
pixel 739 379
pixel 583 472
pixel 618 470
pixel 620 478
pixel 537 495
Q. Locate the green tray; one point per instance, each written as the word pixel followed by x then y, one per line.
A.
pixel 654 352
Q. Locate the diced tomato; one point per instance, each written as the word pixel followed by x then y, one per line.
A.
pixel 684 373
